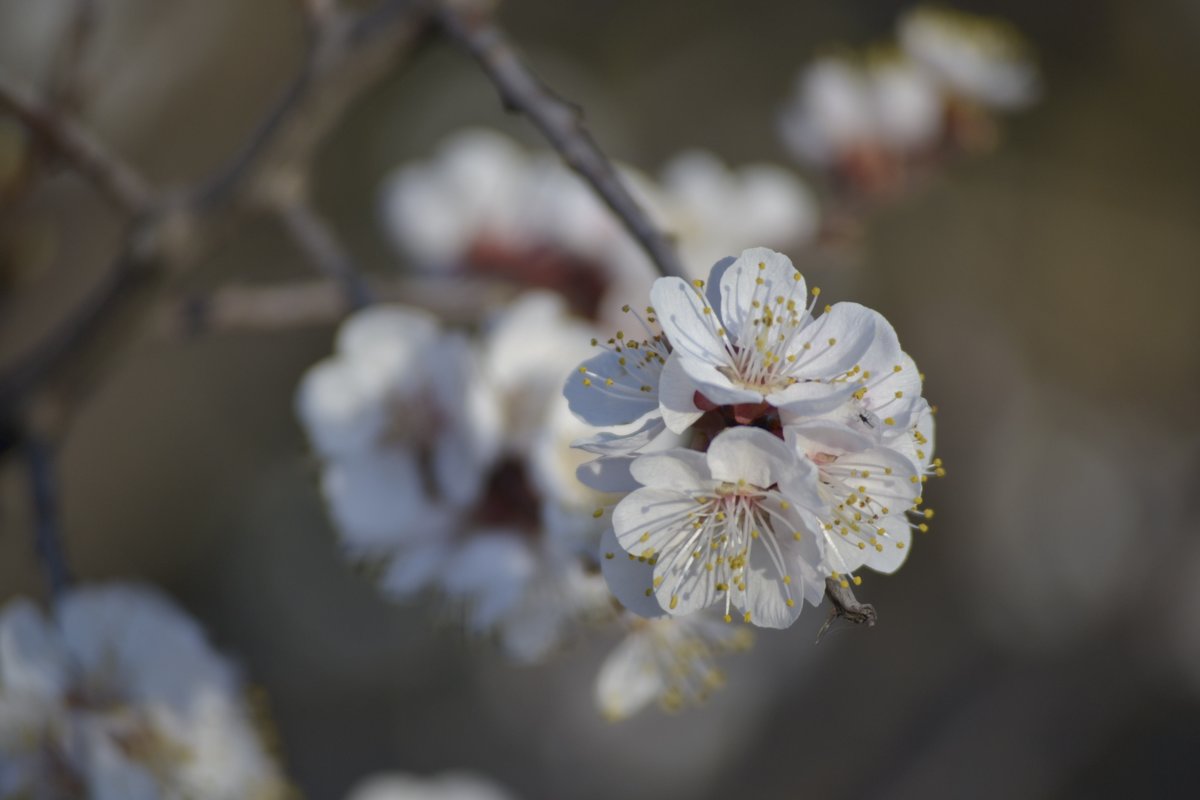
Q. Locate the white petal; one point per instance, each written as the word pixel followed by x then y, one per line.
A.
pixel 378 501
pixel 680 309
pixel 629 678
pixel 839 338
pixel 680 470
pixel 599 403
pixel 32 656
pixel 751 455
pixel 340 414
pixel 628 578
pixel 765 596
pixel 415 568
pixel 623 442
pixel 758 274
pixel 660 513
pixel 675 396
pixel 608 474
pixel 895 545
pixel 714 384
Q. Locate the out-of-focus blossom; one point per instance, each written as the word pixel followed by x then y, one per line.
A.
pixel 668 660
pixel 447 786
pixel 875 122
pixel 119 696
pixel 504 528
pixel 484 206
pixel 983 60
pixel 801 443
pixel 711 209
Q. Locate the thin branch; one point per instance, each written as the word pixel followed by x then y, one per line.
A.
pixel 110 173
pixel 43 485
pixel 561 124
pixel 317 238
pixel 311 302
pixel 67 77
pixel 845 606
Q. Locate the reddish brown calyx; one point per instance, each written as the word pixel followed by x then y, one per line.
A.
pixel 509 501
pixel 580 281
pixel 717 418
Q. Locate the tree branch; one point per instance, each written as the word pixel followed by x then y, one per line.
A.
pixel 845 606
pixel 43 485
pixel 560 122
pixel 107 171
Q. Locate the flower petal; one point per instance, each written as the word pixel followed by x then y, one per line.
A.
pixel 629 678
pixel 678 469
pixel 607 389
pixel 757 277
pixel 751 455
pixel 628 578
pixel 689 321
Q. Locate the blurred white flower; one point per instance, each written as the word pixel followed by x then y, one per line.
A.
pixel 484 205
pixel 712 210
pixel 668 660
pixel 830 113
pixel 878 120
pixel 449 459
pixel 447 786
pixel 119 696
pixel 983 60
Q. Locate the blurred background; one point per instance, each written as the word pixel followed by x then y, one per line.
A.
pixel 1042 641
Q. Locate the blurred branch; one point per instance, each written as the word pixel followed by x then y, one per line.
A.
pixel 67 76
pixel 119 182
pixel 43 484
pixel 559 121
pixel 287 306
pixel 317 238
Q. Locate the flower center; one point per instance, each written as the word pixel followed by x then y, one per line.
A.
pixel 509 501
pixel 717 418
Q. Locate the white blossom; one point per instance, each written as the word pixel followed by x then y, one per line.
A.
pixel 981 59
pixel 752 339
pixel 119 696
pixel 726 527
pixel 711 209
pixel 506 532
pixel 668 660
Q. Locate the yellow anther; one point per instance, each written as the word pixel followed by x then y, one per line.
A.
pixel 923 528
pixel 857 581
pixel 832 341
pixel 785 505
pixel 746 617
pixel 608 555
pixel 899 395
pixel 790 602
pixel 728 618
pixel 587 381
pixel 816 291
pixel 699 284
pixel 889 421
pixel 598 513
pixel 844 584
pixel 929 513
pixel 674 602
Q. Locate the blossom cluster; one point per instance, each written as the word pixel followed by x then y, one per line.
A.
pixel 767 445
pixel 118 696
pixel 876 120
pixel 446 463
pixel 484 206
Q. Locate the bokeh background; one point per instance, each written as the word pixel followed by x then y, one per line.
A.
pixel 1042 641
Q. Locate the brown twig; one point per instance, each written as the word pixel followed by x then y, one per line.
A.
pixel 67 77
pixel 111 174
pixel 559 121
pixel 845 606
pixel 297 304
